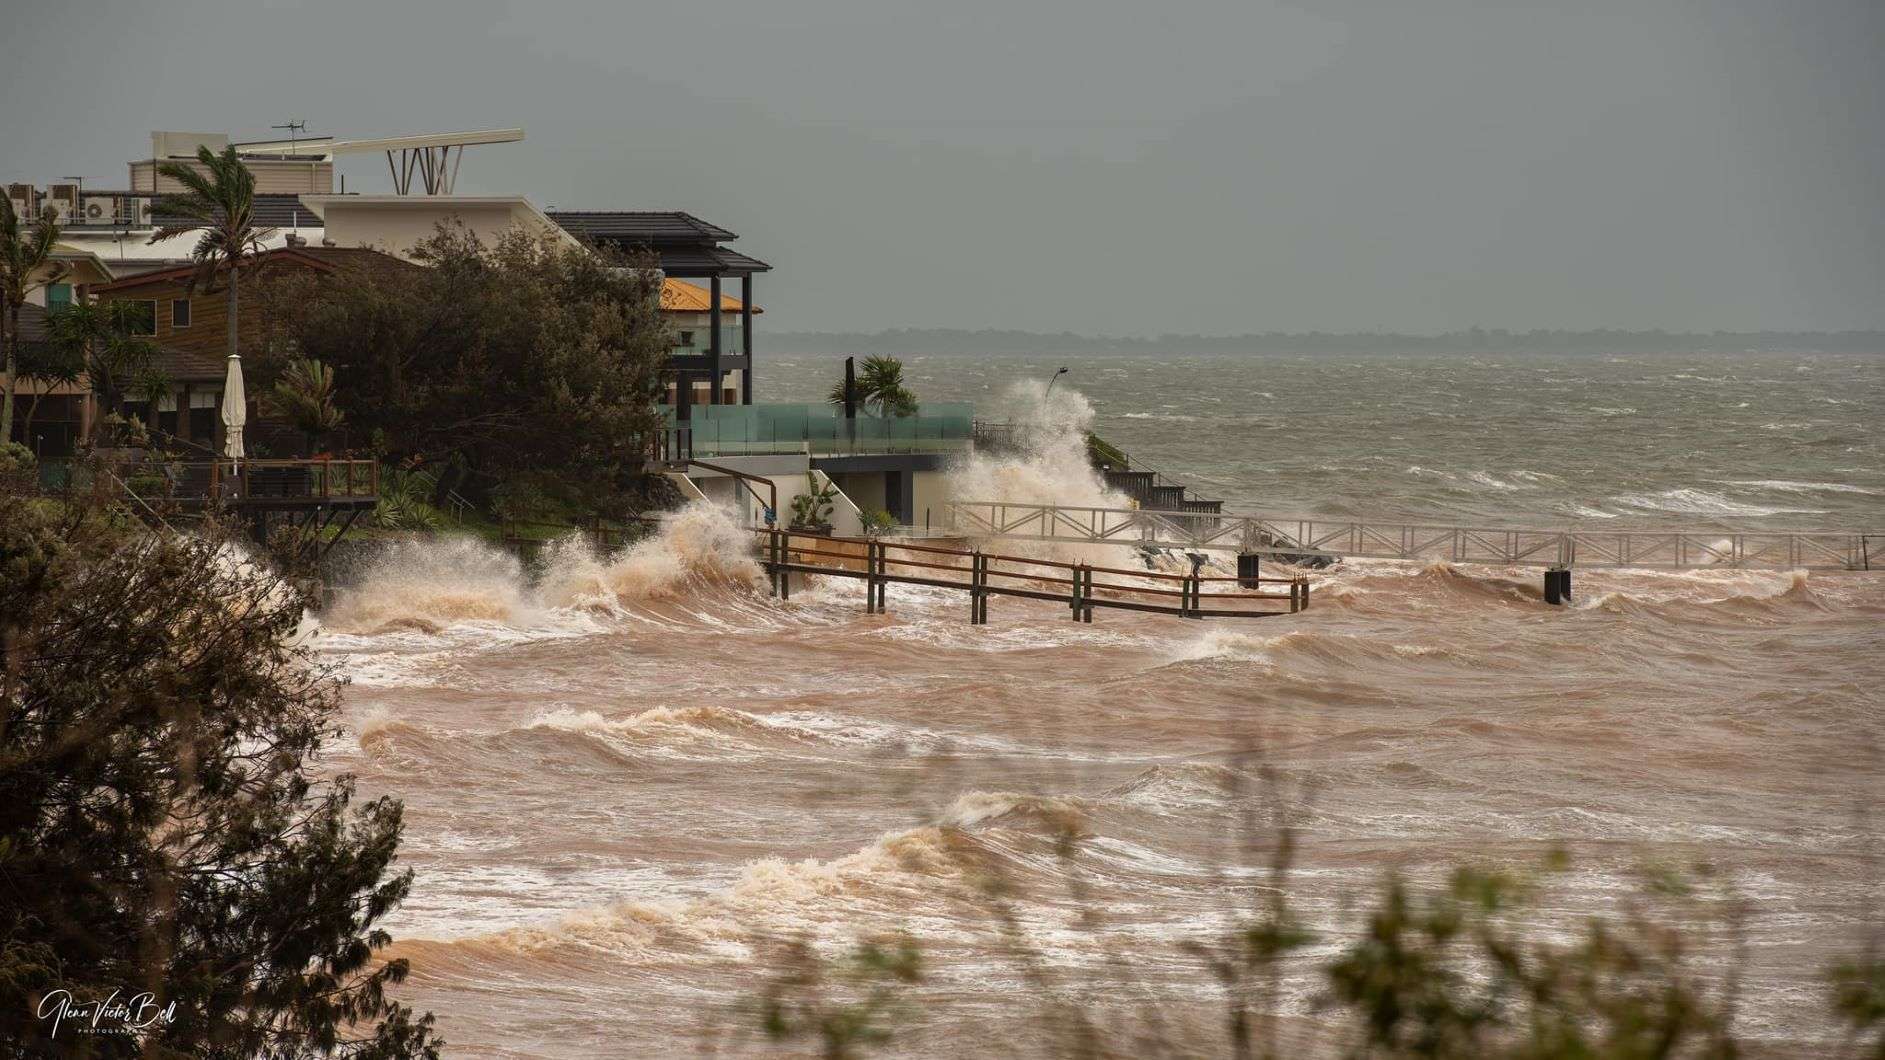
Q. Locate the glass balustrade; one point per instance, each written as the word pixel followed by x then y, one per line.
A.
pixel 822 430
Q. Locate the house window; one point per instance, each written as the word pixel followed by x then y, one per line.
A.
pixel 686 339
pixel 203 414
pixel 142 315
pixel 179 313
pixel 58 295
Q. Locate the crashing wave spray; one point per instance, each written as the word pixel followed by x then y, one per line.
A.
pixel 1052 465
pixel 701 543
pixel 434 582
pixel 426 583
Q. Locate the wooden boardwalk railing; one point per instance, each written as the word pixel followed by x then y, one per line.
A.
pixel 878 563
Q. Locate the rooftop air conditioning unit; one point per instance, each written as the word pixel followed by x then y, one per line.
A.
pixel 64 200
pixel 24 198
pixel 97 209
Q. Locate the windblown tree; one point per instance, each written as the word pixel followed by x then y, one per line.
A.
pixel 529 361
pixel 219 203
pixel 879 388
pixel 103 340
pixel 26 264
pixel 47 365
pixel 304 393
pixel 163 830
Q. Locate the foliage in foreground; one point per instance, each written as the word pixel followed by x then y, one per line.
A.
pixel 161 829
pixel 1477 965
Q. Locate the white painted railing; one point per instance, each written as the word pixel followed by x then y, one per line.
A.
pixel 1389 539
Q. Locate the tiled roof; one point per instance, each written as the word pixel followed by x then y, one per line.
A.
pixel 185 366
pixel 326 259
pixel 33 321
pixel 705 261
pixel 679 296
pixel 651 227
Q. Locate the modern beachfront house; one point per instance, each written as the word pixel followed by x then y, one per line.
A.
pixel 715 413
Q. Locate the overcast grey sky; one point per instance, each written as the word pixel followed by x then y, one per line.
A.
pixel 1088 165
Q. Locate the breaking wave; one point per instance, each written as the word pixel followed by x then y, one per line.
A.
pixel 429 585
pixel 1690 501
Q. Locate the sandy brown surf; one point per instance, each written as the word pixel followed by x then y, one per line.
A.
pixel 617 806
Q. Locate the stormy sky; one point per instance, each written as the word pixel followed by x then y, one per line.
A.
pixel 1089 165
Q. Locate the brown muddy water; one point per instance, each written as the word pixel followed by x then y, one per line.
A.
pixel 624 775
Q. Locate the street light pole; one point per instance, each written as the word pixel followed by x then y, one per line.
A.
pixel 1051 382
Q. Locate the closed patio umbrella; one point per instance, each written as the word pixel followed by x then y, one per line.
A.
pixel 235 409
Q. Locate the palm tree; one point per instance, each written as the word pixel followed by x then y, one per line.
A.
pixel 25 265
pixel 219 202
pixel 103 338
pixel 305 393
pixel 880 384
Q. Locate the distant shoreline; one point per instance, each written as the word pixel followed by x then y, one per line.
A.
pixel 909 341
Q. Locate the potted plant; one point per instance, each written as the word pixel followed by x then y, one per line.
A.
pixel 877 522
pixel 811 510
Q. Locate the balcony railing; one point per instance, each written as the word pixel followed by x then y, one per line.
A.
pixel 822 430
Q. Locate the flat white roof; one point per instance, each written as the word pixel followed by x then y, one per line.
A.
pixel 318 204
pixel 326 146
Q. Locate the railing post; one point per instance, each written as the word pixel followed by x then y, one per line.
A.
pixel 1073 598
pixel 978 579
pixel 870 577
pixel 785 571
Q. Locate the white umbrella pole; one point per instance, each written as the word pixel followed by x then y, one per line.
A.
pixel 235 412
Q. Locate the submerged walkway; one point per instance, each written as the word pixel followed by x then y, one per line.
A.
pixel 878 563
pixel 1335 538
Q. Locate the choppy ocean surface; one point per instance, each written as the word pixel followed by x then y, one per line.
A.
pixel 1757 439
pixel 627 777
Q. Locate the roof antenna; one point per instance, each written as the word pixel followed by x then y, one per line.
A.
pixel 295 128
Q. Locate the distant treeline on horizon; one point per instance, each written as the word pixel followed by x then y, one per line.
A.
pixel 904 341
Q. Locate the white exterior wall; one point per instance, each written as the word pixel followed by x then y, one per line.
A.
pixel 397 223
pixel 929 491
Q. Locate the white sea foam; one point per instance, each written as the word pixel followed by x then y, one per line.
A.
pixel 1690 501
pixel 1788 486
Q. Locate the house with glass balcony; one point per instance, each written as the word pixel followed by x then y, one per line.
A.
pixel 716 422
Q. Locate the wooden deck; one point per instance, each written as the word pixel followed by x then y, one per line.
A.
pixel 282 485
pixel 982 575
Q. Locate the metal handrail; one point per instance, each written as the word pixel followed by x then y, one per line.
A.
pixel 1340 536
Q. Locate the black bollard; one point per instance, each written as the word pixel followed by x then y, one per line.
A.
pixel 1248 570
pixel 1557 585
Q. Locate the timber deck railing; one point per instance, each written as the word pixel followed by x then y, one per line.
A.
pixel 309 480
pixel 878 563
pixel 1289 536
pixel 317 482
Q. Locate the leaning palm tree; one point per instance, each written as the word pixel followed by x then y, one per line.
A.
pixel 880 386
pixel 219 202
pixel 305 394
pixel 25 265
